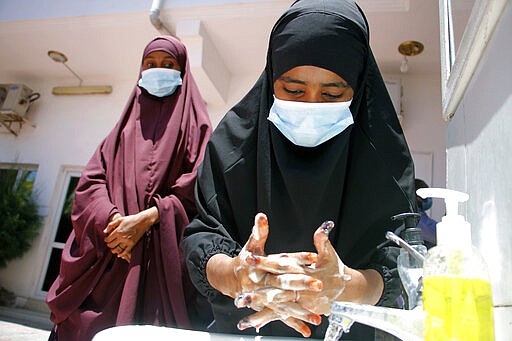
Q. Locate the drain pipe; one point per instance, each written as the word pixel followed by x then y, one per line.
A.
pixel 154 17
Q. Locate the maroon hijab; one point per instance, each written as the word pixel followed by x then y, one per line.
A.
pixel 150 158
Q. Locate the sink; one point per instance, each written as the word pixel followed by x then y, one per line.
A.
pixel 155 333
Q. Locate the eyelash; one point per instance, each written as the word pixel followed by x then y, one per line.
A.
pixel 293 92
pixel 332 96
pixel 299 92
pixel 153 65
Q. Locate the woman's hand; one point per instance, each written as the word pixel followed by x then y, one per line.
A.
pixel 265 283
pixel 302 295
pixel 329 269
pixel 123 233
pixel 269 284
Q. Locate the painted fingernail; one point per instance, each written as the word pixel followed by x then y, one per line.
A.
pixel 327 226
pixel 243 300
pixel 315 284
pixel 315 319
pixel 252 260
pixel 305 331
pixel 312 258
pixel 260 218
pixel 243 324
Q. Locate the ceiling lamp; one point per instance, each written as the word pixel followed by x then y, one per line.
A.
pixel 60 57
pixel 407 49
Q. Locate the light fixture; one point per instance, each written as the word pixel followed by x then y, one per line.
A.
pixel 407 49
pixel 60 57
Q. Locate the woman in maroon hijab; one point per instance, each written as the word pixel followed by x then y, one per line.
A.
pixel 122 263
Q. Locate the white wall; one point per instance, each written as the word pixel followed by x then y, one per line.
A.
pixel 479 163
pixel 425 128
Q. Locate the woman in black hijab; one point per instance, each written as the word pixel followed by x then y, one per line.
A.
pixel 282 150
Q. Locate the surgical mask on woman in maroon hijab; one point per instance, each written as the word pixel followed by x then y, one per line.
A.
pixel 161 74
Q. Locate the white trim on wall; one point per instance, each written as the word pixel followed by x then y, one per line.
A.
pixel 457 69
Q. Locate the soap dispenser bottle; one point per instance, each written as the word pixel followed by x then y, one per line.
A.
pixel 410 268
pixel 457 295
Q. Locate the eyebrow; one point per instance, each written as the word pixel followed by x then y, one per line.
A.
pixel 292 80
pixel 336 84
pixel 153 57
pixel 297 81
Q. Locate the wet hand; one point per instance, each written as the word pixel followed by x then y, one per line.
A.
pixel 329 269
pixel 254 270
pixel 297 287
pixel 269 284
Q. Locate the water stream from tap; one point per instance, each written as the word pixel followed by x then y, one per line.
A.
pixel 337 326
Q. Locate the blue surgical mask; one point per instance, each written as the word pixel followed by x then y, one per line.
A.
pixel 160 82
pixel 310 124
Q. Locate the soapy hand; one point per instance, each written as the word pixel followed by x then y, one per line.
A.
pixel 329 269
pixel 268 284
pixel 291 287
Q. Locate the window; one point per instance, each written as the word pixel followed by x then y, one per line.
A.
pixel 61 226
pixel 21 170
pixel 466 26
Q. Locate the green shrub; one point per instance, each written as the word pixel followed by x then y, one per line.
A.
pixel 19 217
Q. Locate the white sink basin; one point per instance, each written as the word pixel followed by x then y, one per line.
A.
pixel 154 333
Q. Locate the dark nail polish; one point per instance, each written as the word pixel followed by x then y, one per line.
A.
pixel 327 226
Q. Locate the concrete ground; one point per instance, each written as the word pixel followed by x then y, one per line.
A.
pixel 23 325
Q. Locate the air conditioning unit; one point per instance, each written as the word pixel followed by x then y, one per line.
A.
pixel 15 99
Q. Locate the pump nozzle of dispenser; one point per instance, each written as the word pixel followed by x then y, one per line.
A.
pixel 453 228
pixel 451 198
pixel 409 219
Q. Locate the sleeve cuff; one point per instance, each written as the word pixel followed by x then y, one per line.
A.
pixel 391 289
pixel 203 285
pixel 384 262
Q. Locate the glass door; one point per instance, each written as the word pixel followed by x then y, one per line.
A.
pixel 61 225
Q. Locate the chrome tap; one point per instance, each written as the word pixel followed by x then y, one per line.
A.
pixel 404 324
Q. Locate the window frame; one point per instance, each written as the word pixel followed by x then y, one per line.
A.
pixel 457 68
pixel 61 187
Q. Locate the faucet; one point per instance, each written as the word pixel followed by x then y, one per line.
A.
pixel 404 324
pixel 407 325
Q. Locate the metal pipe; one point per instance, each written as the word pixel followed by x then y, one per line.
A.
pixel 154 17
pixel 400 242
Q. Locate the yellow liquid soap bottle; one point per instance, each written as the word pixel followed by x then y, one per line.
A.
pixel 457 297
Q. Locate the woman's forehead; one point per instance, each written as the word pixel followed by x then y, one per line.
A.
pixel 164 45
pixel 159 53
